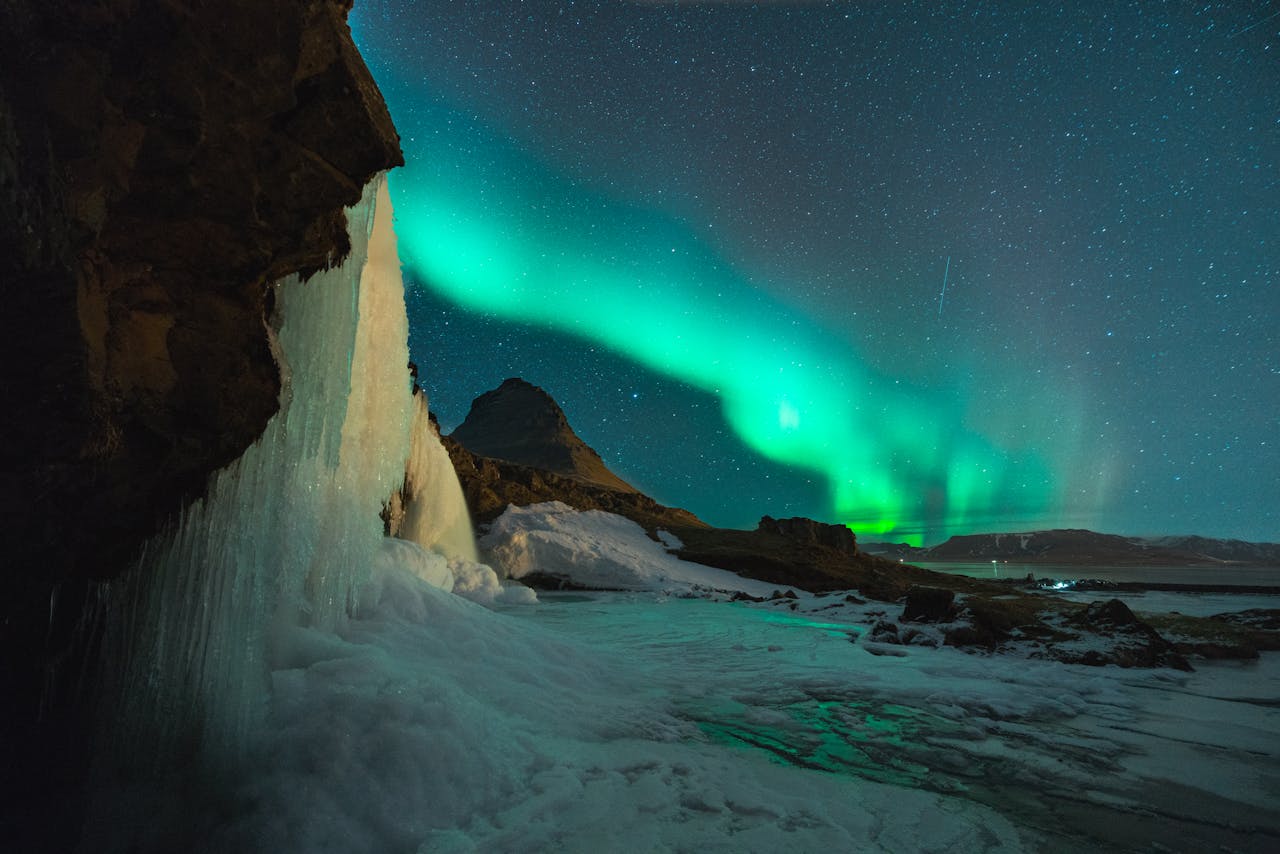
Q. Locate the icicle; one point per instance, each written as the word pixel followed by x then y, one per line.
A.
pixel 435 512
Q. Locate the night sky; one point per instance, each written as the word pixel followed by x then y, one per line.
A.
pixel 922 268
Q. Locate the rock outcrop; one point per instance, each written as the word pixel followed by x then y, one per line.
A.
pixel 164 163
pixel 1133 643
pixel 490 485
pixel 520 423
pixel 838 537
pixel 161 164
pixel 929 605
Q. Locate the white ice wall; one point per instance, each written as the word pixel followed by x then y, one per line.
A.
pixel 287 533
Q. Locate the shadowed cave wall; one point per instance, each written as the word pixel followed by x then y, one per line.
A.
pixel 161 163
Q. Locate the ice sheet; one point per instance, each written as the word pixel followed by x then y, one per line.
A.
pixel 639 721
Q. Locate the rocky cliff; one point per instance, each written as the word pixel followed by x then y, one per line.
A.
pixel 165 162
pixel 162 162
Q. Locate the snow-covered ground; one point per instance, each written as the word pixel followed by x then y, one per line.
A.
pixel 664 718
pixel 641 721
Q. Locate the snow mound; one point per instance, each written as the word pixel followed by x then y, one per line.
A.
pixel 598 550
pixel 466 578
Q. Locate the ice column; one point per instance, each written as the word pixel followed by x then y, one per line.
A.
pixel 285 534
pixel 435 514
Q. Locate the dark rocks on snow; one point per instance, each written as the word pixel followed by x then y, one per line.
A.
pixel 1267 619
pixel 929 605
pixel 884 632
pixel 1133 642
pixel 1113 613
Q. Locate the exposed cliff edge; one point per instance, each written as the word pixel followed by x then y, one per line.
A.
pixel 165 163
pixel 161 164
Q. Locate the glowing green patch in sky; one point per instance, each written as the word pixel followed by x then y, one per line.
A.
pixel 492 229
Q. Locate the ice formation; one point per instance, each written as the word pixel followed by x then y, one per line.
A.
pixel 275 539
pixel 432 513
pixel 287 534
pixel 435 514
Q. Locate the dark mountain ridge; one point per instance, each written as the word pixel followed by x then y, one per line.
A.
pixel 1075 545
pixel 520 423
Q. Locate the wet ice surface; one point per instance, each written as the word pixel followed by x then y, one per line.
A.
pixel 639 721
pixel 1088 757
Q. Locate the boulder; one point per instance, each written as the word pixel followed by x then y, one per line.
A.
pixel 929 605
pixel 1129 641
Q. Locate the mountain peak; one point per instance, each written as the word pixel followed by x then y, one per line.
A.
pixel 521 423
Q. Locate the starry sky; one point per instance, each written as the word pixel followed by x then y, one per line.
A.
pixel 921 268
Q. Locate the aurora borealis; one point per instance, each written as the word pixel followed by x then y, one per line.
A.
pixel 718 234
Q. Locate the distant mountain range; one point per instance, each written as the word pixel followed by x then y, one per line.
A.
pixel 1074 545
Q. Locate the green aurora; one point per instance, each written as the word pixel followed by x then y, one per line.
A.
pixel 492 229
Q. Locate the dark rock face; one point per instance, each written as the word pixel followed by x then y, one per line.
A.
pixel 767 555
pixel 1076 546
pixel 1110 614
pixel 929 605
pixel 988 622
pixel 520 423
pixel 166 163
pixel 838 537
pixel 161 164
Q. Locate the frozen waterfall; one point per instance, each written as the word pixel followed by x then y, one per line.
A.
pixel 435 513
pixel 287 534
